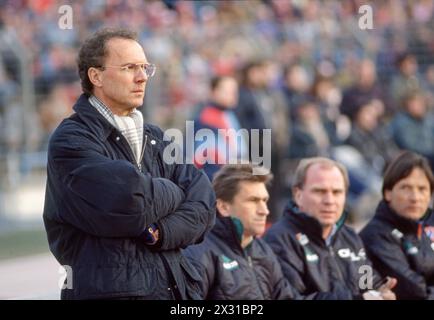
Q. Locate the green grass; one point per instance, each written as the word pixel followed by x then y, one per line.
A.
pixel 22 243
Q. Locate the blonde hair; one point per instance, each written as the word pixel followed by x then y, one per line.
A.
pixel 305 164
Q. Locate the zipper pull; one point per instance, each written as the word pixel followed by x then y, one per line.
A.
pixel 332 253
pixel 249 260
pixel 143 152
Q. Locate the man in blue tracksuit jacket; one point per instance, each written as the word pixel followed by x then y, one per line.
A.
pixel 319 255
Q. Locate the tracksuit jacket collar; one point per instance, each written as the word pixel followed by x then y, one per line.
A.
pixel 310 225
pixel 230 230
pixel 216 105
pixel 385 213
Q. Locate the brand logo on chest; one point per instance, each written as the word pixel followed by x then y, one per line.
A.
pixel 229 264
pixel 429 231
pixel 304 240
pixel 346 253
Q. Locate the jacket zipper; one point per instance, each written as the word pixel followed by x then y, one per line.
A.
pixel 128 150
pixel 332 253
pixel 139 165
pixel 250 263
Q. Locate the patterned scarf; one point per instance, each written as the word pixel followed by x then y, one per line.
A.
pixel 131 126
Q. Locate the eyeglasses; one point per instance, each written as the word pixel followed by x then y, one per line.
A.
pixel 132 68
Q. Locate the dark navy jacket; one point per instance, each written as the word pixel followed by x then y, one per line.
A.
pixel 99 201
pixel 329 272
pixel 404 249
pixel 230 272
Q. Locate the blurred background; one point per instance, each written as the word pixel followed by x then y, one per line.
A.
pixel 308 71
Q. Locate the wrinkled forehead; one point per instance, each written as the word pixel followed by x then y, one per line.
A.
pixel 252 188
pixel 124 51
pixel 320 175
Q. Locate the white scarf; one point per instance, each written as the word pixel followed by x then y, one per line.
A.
pixel 131 126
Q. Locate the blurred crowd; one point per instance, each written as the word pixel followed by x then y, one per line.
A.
pixel 304 69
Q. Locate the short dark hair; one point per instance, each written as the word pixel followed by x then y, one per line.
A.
pixel 216 80
pixel 93 52
pixel 402 166
pixel 246 69
pixel 402 56
pixel 226 181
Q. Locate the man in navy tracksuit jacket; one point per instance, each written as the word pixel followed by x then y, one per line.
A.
pixel 400 238
pixel 233 262
pixel 319 255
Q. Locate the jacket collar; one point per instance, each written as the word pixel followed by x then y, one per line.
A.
pixel 385 213
pixel 92 118
pixel 216 105
pixel 310 225
pixel 96 121
pixel 229 230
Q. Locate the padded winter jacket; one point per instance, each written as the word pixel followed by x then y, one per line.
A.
pixel 99 201
pixel 404 249
pixel 230 272
pixel 339 270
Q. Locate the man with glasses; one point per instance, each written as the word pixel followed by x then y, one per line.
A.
pixel 115 212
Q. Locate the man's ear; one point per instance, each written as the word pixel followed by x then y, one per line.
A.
pixel 387 195
pixel 94 76
pixel 297 194
pixel 223 208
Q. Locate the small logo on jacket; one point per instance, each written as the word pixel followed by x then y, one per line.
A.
pixel 346 253
pixel 397 234
pixel 429 231
pixel 304 240
pixel 410 248
pixel 311 257
pixel 229 264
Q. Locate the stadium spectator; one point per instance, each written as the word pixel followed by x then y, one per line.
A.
pixel 370 137
pixel 309 137
pixel 413 127
pixel 366 87
pixel 407 78
pixel 217 115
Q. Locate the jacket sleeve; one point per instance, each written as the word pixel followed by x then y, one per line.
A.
pixel 195 215
pixel 291 260
pixel 101 196
pixel 203 261
pixel 282 289
pixel 190 221
pixel 388 257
